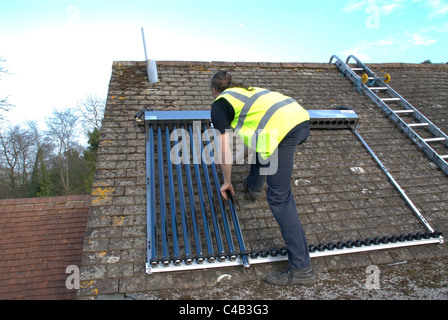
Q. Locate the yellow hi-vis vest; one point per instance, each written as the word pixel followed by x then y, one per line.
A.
pixel 262 117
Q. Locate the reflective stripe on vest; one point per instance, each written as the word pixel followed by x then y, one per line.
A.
pixel 262 117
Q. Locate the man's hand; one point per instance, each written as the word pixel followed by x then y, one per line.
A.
pixel 225 188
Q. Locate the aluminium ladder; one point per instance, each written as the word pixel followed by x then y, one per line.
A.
pixel 372 85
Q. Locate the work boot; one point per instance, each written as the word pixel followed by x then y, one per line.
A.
pixel 290 277
pixel 251 195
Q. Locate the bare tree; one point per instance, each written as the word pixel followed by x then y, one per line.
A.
pixel 2 69
pixel 62 127
pixel 9 159
pixel 16 158
pixel 33 127
pixel 91 108
pixel 5 106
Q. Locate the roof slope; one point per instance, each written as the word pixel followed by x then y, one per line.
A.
pixel 39 239
pixel 340 191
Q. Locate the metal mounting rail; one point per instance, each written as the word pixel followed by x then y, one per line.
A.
pixel 394 182
pixel 189 225
pixel 371 84
pixel 321 250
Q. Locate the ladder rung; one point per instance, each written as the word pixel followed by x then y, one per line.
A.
pixel 444 157
pixel 434 139
pixel 358 69
pixel 404 111
pixel 390 99
pixel 418 124
pixel 379 88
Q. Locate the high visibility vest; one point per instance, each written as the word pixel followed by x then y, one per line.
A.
pixel 262 117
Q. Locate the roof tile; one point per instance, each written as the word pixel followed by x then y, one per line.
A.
pixel 39 238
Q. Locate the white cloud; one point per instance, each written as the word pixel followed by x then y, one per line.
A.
pixel 393 45
pixel 385 7
pixel 421 40
pixel 363 49
pixel 437 7
pixel 357 5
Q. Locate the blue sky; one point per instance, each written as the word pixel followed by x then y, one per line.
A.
pixel 59 51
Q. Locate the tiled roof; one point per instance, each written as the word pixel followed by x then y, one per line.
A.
pixel 39 239
pixel 340 191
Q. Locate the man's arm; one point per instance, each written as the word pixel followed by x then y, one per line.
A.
pixel 226 166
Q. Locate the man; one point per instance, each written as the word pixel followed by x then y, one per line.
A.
pixel 272 125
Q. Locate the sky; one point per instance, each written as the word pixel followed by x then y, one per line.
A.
pixel 57 52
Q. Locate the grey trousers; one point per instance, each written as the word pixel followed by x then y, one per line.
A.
pixel 280 198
